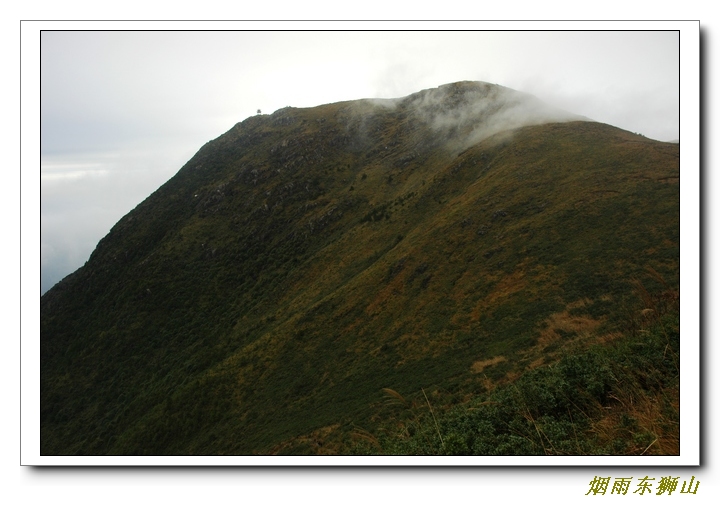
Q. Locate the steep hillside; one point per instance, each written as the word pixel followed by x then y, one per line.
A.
pixel 305 260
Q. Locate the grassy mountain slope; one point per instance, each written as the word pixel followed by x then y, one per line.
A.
pixel 305 260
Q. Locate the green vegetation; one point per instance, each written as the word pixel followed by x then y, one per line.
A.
pixel 254 304
pixel 617 399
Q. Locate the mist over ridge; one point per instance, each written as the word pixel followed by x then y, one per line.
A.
pixel 477 110
pixel 471 111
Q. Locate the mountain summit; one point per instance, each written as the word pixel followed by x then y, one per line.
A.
pixel 477 110
pixel 441 245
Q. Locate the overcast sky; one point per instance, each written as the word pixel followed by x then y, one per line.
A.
pixel 121 112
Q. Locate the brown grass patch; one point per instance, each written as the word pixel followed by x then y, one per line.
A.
pixel 651 418
pixel 536 363
pixel 318 440
pixel 608 338
pixel 507 286
pixel 565 322
pixel 480 365
pixel 385 295
pixel 416 346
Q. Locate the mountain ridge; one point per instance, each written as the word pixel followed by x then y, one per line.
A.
pixel 304 260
